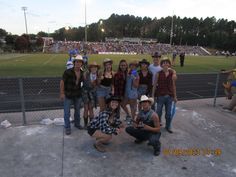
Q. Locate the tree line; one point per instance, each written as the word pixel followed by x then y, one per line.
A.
pixel 209 32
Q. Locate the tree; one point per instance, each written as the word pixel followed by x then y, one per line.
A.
pixel 22 44
pixel 3 33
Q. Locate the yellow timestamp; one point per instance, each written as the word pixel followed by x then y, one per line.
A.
pixel 192 151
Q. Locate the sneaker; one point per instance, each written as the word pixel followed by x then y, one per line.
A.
pixel 68 131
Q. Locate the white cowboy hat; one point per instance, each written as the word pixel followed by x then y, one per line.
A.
pixel 78 57
pixel 145 98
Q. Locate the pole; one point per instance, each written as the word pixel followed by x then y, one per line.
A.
pixel 216 88
pixel 22 100
pixel 171 30
pixel 24 9
pixel 85 29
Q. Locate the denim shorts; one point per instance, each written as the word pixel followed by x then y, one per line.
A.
pixel 103 91
pixel 132 94
pixel 142 90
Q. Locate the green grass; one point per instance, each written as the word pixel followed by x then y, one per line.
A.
pixel 54 64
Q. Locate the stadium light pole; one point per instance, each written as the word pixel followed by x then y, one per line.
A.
pixel 171 30
pixel 85 29
pixel 24 9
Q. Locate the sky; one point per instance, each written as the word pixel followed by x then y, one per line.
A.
pixel 50 15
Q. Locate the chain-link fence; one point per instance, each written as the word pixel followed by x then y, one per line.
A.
pixel 29 100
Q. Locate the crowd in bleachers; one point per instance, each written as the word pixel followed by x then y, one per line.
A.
pixel 138 48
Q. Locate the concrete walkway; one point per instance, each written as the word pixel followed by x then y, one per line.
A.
pixel 203 144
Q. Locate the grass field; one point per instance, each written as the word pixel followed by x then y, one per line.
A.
pixel 16 65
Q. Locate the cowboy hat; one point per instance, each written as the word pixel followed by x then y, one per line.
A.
pixel 145 98
pixel 113 98
pixel 156 55
pixel 94 64
pixel 144 61
pixel 107 60
pixel 78 57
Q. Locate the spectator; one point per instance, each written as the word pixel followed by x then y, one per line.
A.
pixel 119 85
pixel 146 126
pixel 105 81
pixel 174 55
pixel 89 92
pixel 145 79
pixel 231 81
pixel 181 58
pixel 70 93
pixel 105 124
pixel 131 89
pixel 72 55
pixel 154 68
pixel 166 91
pixel 230 89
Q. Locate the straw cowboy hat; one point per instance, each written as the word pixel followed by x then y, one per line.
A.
pixel 94 64
pixel 78 58
pixel 145 98
pixel 107 60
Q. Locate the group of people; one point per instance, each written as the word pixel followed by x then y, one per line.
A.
pixel 142 86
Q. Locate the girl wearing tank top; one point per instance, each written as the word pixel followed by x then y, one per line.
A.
pixel 105 81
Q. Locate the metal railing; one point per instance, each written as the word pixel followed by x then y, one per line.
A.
pixel 31 99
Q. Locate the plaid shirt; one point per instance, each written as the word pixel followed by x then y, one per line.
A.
pixel 165 84
pixel 119 84
pixel 101 122
pixel 147 80
pixel 71 89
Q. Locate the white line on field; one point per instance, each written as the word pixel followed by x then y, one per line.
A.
pixel 194 94
pixel 49 60
pixel 40 91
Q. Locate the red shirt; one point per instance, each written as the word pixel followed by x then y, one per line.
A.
pixel 119 84
pixel 165 84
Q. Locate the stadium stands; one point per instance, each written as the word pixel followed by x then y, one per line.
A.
pixel 123 47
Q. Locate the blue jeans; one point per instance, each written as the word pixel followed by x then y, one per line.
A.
pixel 143 135
pixel 167 101
pixel 67 104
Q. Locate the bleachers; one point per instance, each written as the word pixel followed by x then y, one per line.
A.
pixel 124 47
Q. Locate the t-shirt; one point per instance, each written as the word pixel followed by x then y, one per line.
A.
pixel 154 70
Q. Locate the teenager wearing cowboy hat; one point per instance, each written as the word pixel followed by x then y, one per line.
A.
pixel 89 91
pixel 146 126
pixel 105 81
pixel 106 124
pixel 166 91
pixel 70 92
pixel 145 81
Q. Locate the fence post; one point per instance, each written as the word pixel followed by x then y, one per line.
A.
pixel 216 88
pixel 22 100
